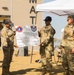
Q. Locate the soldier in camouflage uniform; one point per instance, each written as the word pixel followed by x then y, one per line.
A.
pixel 7 40
pixel 46 43
pixel 67 45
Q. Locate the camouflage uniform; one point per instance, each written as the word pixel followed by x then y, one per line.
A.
pixel 7 41
pixel 67 44
pixel 46 38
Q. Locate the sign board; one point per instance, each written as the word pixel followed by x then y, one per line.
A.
pixel 27 36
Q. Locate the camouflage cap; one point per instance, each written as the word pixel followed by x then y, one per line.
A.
pixel 71 16
pixel 7 21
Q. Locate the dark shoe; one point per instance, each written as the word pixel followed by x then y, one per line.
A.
pixel 43 73
pixel 39 61
pixel 10 73
pixel 5 71
pixel 67 73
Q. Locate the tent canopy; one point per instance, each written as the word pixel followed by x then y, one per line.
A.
pixel 59 7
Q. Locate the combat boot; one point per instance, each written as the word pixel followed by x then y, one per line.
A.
pixel 44 71
pixel 67 72
pixel 49 67
pixel 5 71
pixel 8 72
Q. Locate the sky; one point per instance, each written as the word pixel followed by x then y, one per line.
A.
pixel 58 22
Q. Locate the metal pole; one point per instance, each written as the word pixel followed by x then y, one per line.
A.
pixel 36 18
pixel 11 13
pixel 11 8
pixel 31 55
pixel 32 46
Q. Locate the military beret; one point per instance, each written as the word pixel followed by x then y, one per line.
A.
pixel 7 21
pixel 71 16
